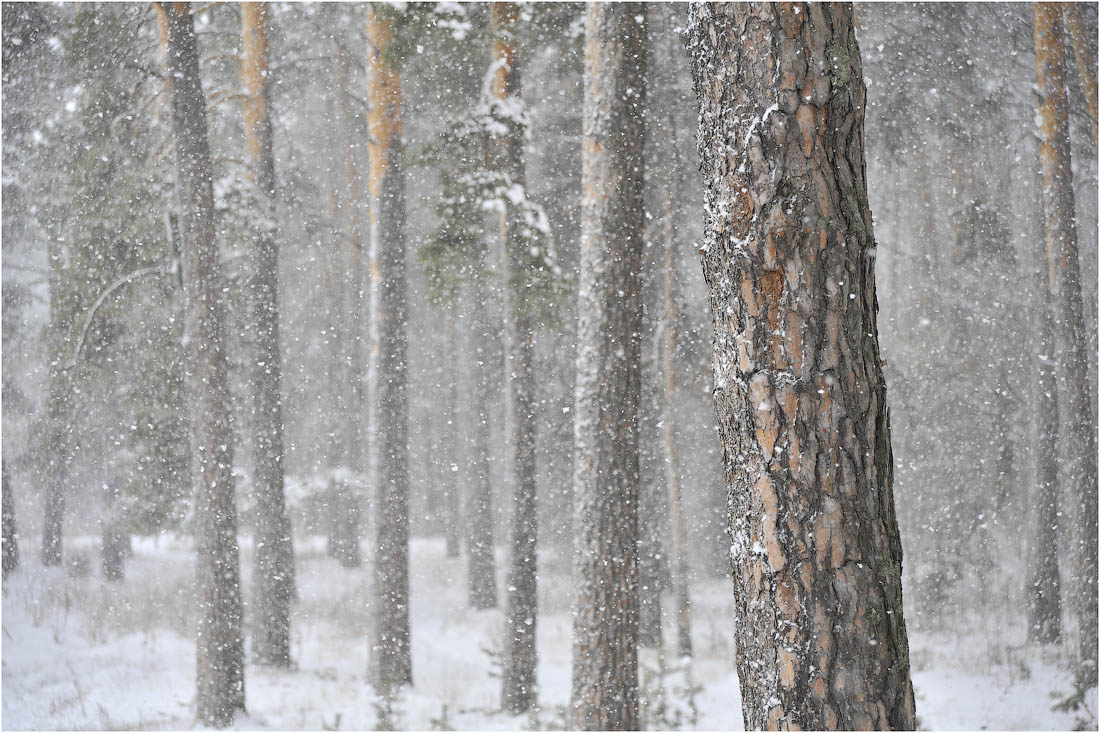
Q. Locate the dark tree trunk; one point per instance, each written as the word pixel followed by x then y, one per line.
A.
pixel 480 553
pixel 788 256
pixel 1072 367
pixel 506 153
pixel 390 659
pixel 608 391
pixel 10 535
pixel 274 571
pixel 220 653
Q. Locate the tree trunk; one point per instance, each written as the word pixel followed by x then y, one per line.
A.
pixel 58 414
pixel 274 570
pixel 653 574
pixel 112 542
pixel 1044 588
pixel 1079 468
pixel 1086 61
pixel 391 660
pixel 681 572
pixel 351 283
pixel 10 534
pixel 788 256
pixel 608 389
pixel 220 653
pixel 452 493
pixel 336 383
pixel 506 153
pixel 480 553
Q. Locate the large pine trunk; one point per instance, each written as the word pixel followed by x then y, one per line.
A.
pixel 506 153
pixel 220 652
pixel 608 387
pixel 390 658
pixel 1075 393
pixel 273 577
pixel 788 256
pixel 480 553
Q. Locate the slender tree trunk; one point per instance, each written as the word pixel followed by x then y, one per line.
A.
pixel 681 572
pixel 652 562
pixel 788 256
pixel 1044 591
pixel 58 414
pixel 336 383
pixel 1072 365
pixel 1086 60
pixel 608 390
pixel 220 653
pixel 506 152
pixel 10 534
pixel 351 334
pixel 391 660
pixel 111 543
pixel 452 493
pixel 480 554
pixel 274 571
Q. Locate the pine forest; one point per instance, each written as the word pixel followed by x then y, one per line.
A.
pixel 549 366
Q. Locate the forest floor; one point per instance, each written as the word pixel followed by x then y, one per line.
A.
pixel 81 653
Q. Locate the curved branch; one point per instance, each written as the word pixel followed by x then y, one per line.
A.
pixel 102 297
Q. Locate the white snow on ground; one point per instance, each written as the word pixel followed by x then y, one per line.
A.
pixel 81 653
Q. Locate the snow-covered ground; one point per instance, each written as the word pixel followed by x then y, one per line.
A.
pixel 82 653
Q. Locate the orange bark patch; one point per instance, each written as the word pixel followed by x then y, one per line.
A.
pixel 752 303
pixel 384 94
pixel 804 115
pixel 776 559
pixel 786 659
pixel 775 718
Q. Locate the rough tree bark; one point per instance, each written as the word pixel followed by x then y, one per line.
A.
pixel 680 570
pixel 481 574
pixel 220 652
pixel 788 256
pixel 273 576
pixel 391 660
pixel 608 388
pixel 1086 60
pixel 9 535
pixel 1064 274
pixel 506 157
